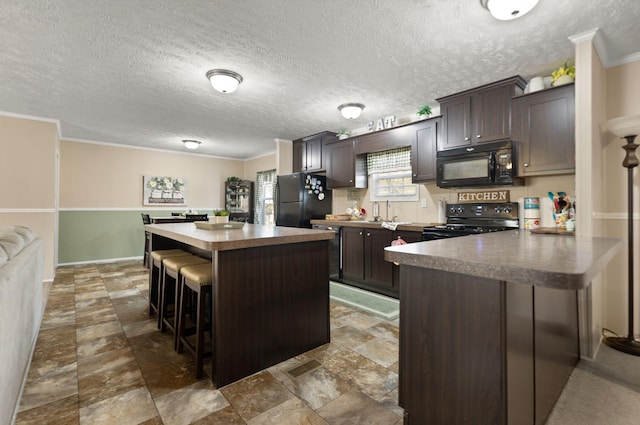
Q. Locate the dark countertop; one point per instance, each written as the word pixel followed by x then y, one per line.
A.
pixel 251 235
pixel 552 261
pixel 415 227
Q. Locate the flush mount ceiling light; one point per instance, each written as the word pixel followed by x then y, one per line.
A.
pixel 351 111
pixel 223 80
pixel 508 9
pixel 191 144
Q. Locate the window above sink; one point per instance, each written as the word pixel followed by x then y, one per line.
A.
pixel 390 176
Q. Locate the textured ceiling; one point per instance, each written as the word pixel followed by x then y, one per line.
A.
pixel 133 72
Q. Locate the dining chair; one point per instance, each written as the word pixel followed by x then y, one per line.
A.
pixel 147 240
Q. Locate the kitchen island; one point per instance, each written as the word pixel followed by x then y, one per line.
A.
pixel 270 291
pixel 489 324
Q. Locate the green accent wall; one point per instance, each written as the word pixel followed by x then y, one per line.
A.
pixel 101 235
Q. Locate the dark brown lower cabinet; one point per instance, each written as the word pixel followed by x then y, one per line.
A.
pixel 482 351
pixel 377 271
pixel 352 253
pixel 363 262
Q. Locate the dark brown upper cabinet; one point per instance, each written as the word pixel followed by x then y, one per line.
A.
pixel 544 129
pixel 345 168
pixel 479 115
pixel 309 152
pixel 392 138
pixel 423 150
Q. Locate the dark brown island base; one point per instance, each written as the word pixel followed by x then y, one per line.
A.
pixel 489 324
pixel 270 291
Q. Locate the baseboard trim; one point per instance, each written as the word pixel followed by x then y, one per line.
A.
pixel 107 260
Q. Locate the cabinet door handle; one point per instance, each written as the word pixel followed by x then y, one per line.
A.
pixel 478 136
pixel 415 175
pixel 368 234
pixel 526 165
pixel 466 138
pixel 360 233
pixel 350 181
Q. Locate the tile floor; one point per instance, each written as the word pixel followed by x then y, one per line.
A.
pixel 100 359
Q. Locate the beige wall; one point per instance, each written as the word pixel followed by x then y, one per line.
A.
pixel 622 98
pixel 264 163
pixel 106 176
pixel 28 170
pixel 284 157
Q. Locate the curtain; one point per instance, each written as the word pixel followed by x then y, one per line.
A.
pixel 389 160
pixel 264 194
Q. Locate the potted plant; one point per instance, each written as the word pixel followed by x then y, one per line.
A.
pixel 563 75
pixel 343 133
pixel 424 111
pixel 220 216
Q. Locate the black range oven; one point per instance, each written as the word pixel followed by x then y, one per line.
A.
pixel 474 218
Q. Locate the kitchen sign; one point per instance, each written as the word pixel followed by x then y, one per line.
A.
pixel 484 196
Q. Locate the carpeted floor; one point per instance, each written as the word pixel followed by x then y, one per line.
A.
pixel 379 305
pixel 605 391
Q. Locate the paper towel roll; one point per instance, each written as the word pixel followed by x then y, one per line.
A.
pixel 442 210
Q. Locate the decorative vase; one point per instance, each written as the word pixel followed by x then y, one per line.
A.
pixel 562 80
pixel 220 219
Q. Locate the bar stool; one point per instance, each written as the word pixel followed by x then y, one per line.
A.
pixel 170 290
pixel 196 280
pixel 156 271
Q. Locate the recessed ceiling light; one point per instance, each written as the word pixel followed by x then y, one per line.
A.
pixel 191 144
pixel 223 80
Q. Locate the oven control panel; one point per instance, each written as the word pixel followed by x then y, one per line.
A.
pixel 505 210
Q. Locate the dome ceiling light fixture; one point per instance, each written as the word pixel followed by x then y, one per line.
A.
pixel 191 144
pixel 351 111
pixel 506 10
pixel 223 80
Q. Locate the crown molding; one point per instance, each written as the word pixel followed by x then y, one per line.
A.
pixel 595 36
pixel 634 57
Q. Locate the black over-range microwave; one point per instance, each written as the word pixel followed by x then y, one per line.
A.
pixel 482 165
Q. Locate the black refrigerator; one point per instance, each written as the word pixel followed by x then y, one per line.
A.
pixel 301 197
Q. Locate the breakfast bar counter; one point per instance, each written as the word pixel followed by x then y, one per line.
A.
pixel 552 261
pixel 270 291
pixel 489 324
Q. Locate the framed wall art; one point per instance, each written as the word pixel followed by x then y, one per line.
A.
pixel 164 191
